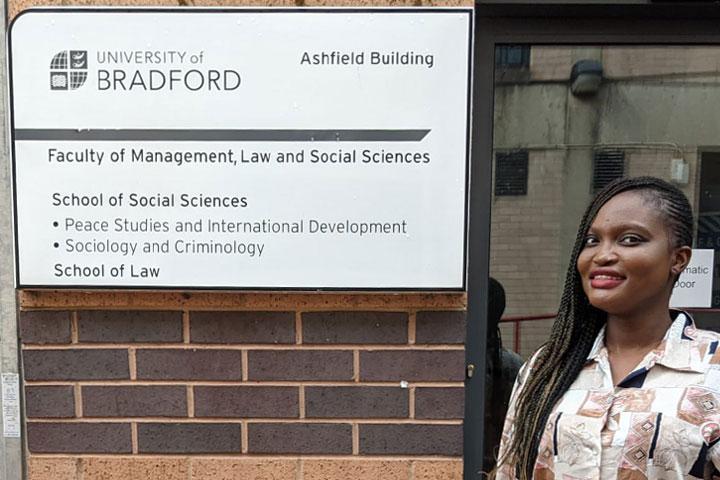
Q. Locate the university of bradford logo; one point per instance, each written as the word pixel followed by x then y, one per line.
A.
pixel 68 70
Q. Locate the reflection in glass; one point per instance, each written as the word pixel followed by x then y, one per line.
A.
pixel 570 119
pixel 654 112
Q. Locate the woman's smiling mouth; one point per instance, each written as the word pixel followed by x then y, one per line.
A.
pixel 605 279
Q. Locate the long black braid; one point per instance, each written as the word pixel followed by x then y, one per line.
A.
pixel 578 323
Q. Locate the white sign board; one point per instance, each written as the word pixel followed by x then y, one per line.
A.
pixel 246 148
pixel 694 287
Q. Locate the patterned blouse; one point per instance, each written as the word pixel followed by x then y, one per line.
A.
pixel 661 422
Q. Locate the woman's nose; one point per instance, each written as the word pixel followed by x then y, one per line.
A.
pixel 605 254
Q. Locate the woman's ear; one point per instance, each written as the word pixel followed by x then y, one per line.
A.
pixel 681 258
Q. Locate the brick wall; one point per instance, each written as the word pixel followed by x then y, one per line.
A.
pixel 312 392
pixel 649 61
pixel 695 63
pixel 657 163
pixel 524 238
pixel 199 386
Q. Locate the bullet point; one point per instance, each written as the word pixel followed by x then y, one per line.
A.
pixel 56 244
pixel 55 224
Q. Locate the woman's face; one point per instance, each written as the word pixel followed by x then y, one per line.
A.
pixel 628 262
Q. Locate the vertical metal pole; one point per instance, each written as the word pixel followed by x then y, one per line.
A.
pixel 478 249
pixel 11 465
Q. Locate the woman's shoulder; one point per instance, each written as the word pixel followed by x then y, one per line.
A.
pixel 701 335
pixel 529 365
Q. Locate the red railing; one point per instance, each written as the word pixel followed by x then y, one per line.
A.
pixel 518 319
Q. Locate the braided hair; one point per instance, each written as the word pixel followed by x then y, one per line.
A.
pixel 559 361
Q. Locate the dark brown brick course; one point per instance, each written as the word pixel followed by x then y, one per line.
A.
pixel 356 402
pixel 189 364
pixel 50 402
pixel 300 365
pixel 242 327
pixel 43 327
pixel 439 403
pixel 247 402
pixel 412 365
pixel 440 327
pixel 298 438
pixel 355 327
pixel 189 438
pixel 79 437
pixel 76 364
pixel 135 401
pixel 107 326
pixel 411 439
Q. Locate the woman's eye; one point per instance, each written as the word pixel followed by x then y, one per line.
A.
pixel 630 239
pixel 590 240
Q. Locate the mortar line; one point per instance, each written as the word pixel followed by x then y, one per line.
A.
pixel 78 401
pixel 238 383
pixel 235 420
pixel 244 437
pixel 132 359
pixel 298 328
pixel 128 456
pixel 356 366
pixel 355 439
pixel 74 328
pixel 411 400
pixel 245 367
pixel 191 401
pixel 134 437
pixel 186 326
pixel 254 346
pixel 412 327
pixel 301 401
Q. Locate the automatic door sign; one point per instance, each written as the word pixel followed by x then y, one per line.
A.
pixel 694 287
pixel 247 148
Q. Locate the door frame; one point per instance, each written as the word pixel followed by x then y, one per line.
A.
pixel 542 23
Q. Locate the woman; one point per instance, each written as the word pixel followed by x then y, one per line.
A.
pixel 624 388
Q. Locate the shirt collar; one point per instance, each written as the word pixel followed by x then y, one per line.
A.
pixel 675 351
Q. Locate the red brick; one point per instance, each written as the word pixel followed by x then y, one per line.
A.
pixel 410 439
pixel 189 364
pixel 76 364
pixel 43 327
pixel 79 437
pixel 299 438
pixel 242 327
pixel 189 438
pixel 438 469
pixel 150 467
pixel 300 365
pixel 247 402
pixel 136 401
pixel 412 365
pixel 50 402
pixel 52 468
pixel 440 327
pixel 355 327
pixel 356 402
pixel 243 468
pixel 439 403
pixel 107 326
